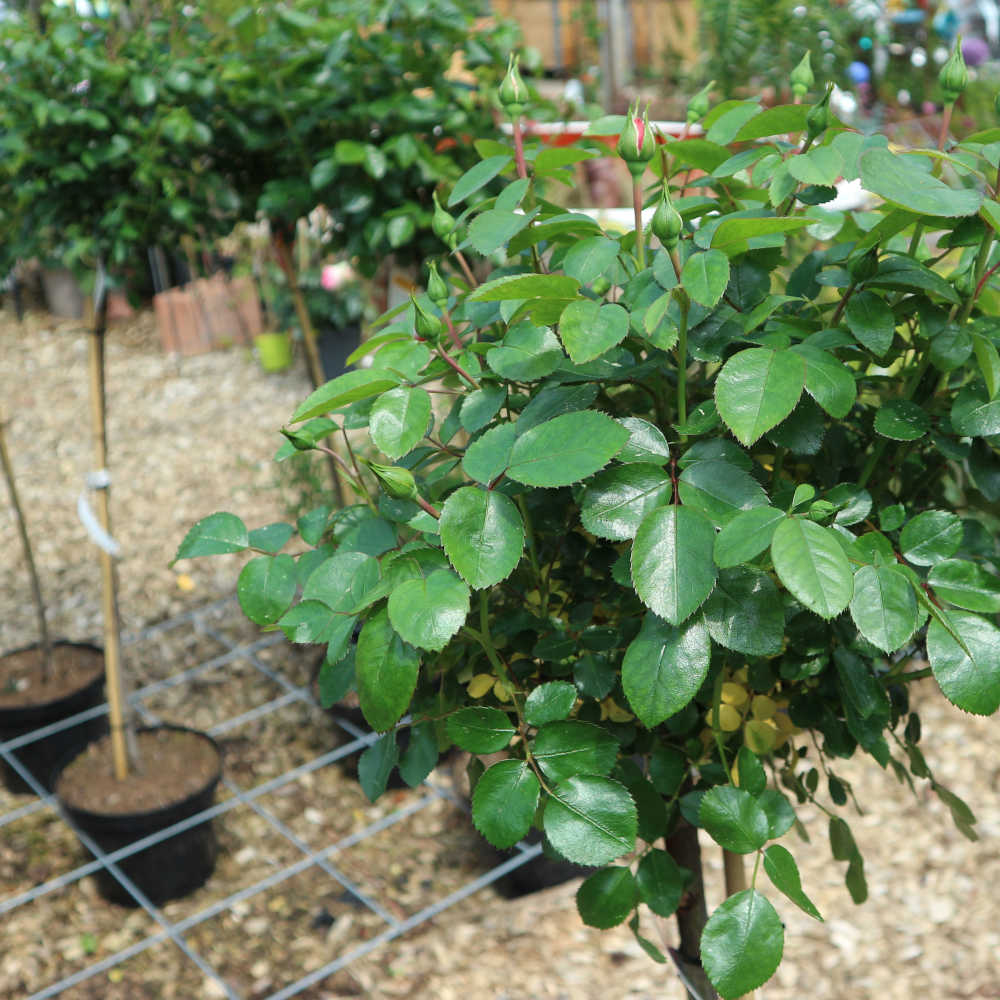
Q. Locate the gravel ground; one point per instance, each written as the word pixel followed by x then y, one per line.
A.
pixel 190 437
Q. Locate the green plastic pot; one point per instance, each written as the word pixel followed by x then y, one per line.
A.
pixel 274 351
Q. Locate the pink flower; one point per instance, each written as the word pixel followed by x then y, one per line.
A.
pixel 334 276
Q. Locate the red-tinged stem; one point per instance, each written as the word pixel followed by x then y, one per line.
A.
pixel 945 125
pixel 451 330
pixel 984 279
pixel 458 368
pixel 640 240
pixel 430 508
pixel 522 167
pixel 466 270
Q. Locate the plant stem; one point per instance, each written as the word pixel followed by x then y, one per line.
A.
pixel 682 338
pixel 979 275
pixel 36 587
pixel 945 125
pixel 518 130
pixel 466 270
pixel 457 367
pixel 842 304
pixel 640 240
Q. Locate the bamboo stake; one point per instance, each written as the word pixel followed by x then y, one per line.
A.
pixel 736 881
pixel 109 603
pixel 22 527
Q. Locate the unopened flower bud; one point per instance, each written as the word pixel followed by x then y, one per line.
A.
pixel 437 287
pixel 818 116
pixel 699 104
pixel 396 481
pixel 513 93
pixel 667 223
pixel 444 225
pixel 801 78
pixel 954 75
pixel 427 324
pixel 636 145
pixel 864 267
pixel 299 441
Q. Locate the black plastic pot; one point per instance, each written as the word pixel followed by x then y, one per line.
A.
pixel 42 756
pixel 168 869
pixel 335 346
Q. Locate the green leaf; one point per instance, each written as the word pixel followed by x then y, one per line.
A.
pixel 347 388
pixel 617 499
pixel 493 229
pixel 477 177
pixel 335 680
pixel 399 419
pixel 271 538
pixel 143 90
pixel 966 585
pixel 554 400
pixel 821 165
pixel 588 329
pixel 779 812
pixel 504 802
pixel 266 587
pixel 747 535
pixel 810 562
pixel 312 524
pixel 527 353
pixel 884 607
pixel 400 230
pixel 900 180
pixel 427 612
pixel 646 443
pixel 829 381
pixel 664 667
pixel 386 668
pixel 566 748
pixel 480 729
pixel 732 235
pixel 975 413
pixel 420 755
pixel 784 874
pixel 756 389
pixel 376 764
pixel 902 420
pixel 660 882
pixel 482 534
pixel 719 489
pixel 342 581
pixel 672 566
pixel 566 449
pixel 931 537
pixel 606 898
pixel 733 818
pixel 745 613
pixel 481 406
pixel 526 286
pixel 989 363
pixel 214 535
pixel 312 621
pixel 742 944
pixel 778 120
pixel 871 321
pixel 705 276
pixel 549 702
pixel 590 258
pixel 488 456
pixel 969 677
pixel 590 820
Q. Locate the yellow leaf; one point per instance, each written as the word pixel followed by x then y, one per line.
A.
pixel 729 718
pixel 185 583
pixel 760 737
pixel 615 712
pixel 480 685
pixel 115 975
pixel 762 707
pixel 501 691
pixel 734 694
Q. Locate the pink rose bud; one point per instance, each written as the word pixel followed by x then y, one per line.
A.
pixel 334 276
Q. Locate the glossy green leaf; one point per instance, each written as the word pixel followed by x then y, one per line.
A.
pixel 375 765
pixel 974 413
pixel 312 621
pixel 617 499
pixel 342 581
pixel 566 449
pixel 931 537
pixel 969 677
pixel 752 776
pixel 663 668
pixel 989 363
pixel 488 456
pixel 871 321
pixel 900 179
pixel 590 820
pixel 756 389
pixel 528 353
pixel 271 538
pixel 399 419
pixel 829 381
pixel 477 177
pixel 646 443
pixel 482 534
pixel 334 680
pixel 553 401
pixel 810 562
pixel 549 702
pixel 386 669
pixel 745 613
pixel 481 406
pixel 966 585
pixel 733 818
pixel 566 748
pixel 504 802
pixel 591 258
pixel 526 286
pixel 742 944
pixel 747 535
pixel 902 420
pixel 821 165
pixel 884 607
pixel 606 898
pixel 660 882
pixel 784 874
pixel 427 612
pixel 480 729
pixel 420 756
pixel 705 276
pixel 720 490
pixel 492 229
pixel 672 567
pixel 779 812
pixel 266 587
pixel 733 235
pixel 588 329
pixel 217 534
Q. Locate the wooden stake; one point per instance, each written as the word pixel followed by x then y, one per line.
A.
pixel 736 881
pixel 22 527
pixel 109 603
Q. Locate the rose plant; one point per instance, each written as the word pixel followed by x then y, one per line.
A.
pixel 672 521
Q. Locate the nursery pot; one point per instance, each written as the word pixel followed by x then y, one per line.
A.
pixel 274 351
pixel 77 684
pixel 336 344
pixel 177 775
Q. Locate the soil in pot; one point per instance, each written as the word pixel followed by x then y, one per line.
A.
pixel 31 699
pixel 179 770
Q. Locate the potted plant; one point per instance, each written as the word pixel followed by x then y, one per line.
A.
pixel 46 682
pixel 690 510
pixel 107 132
